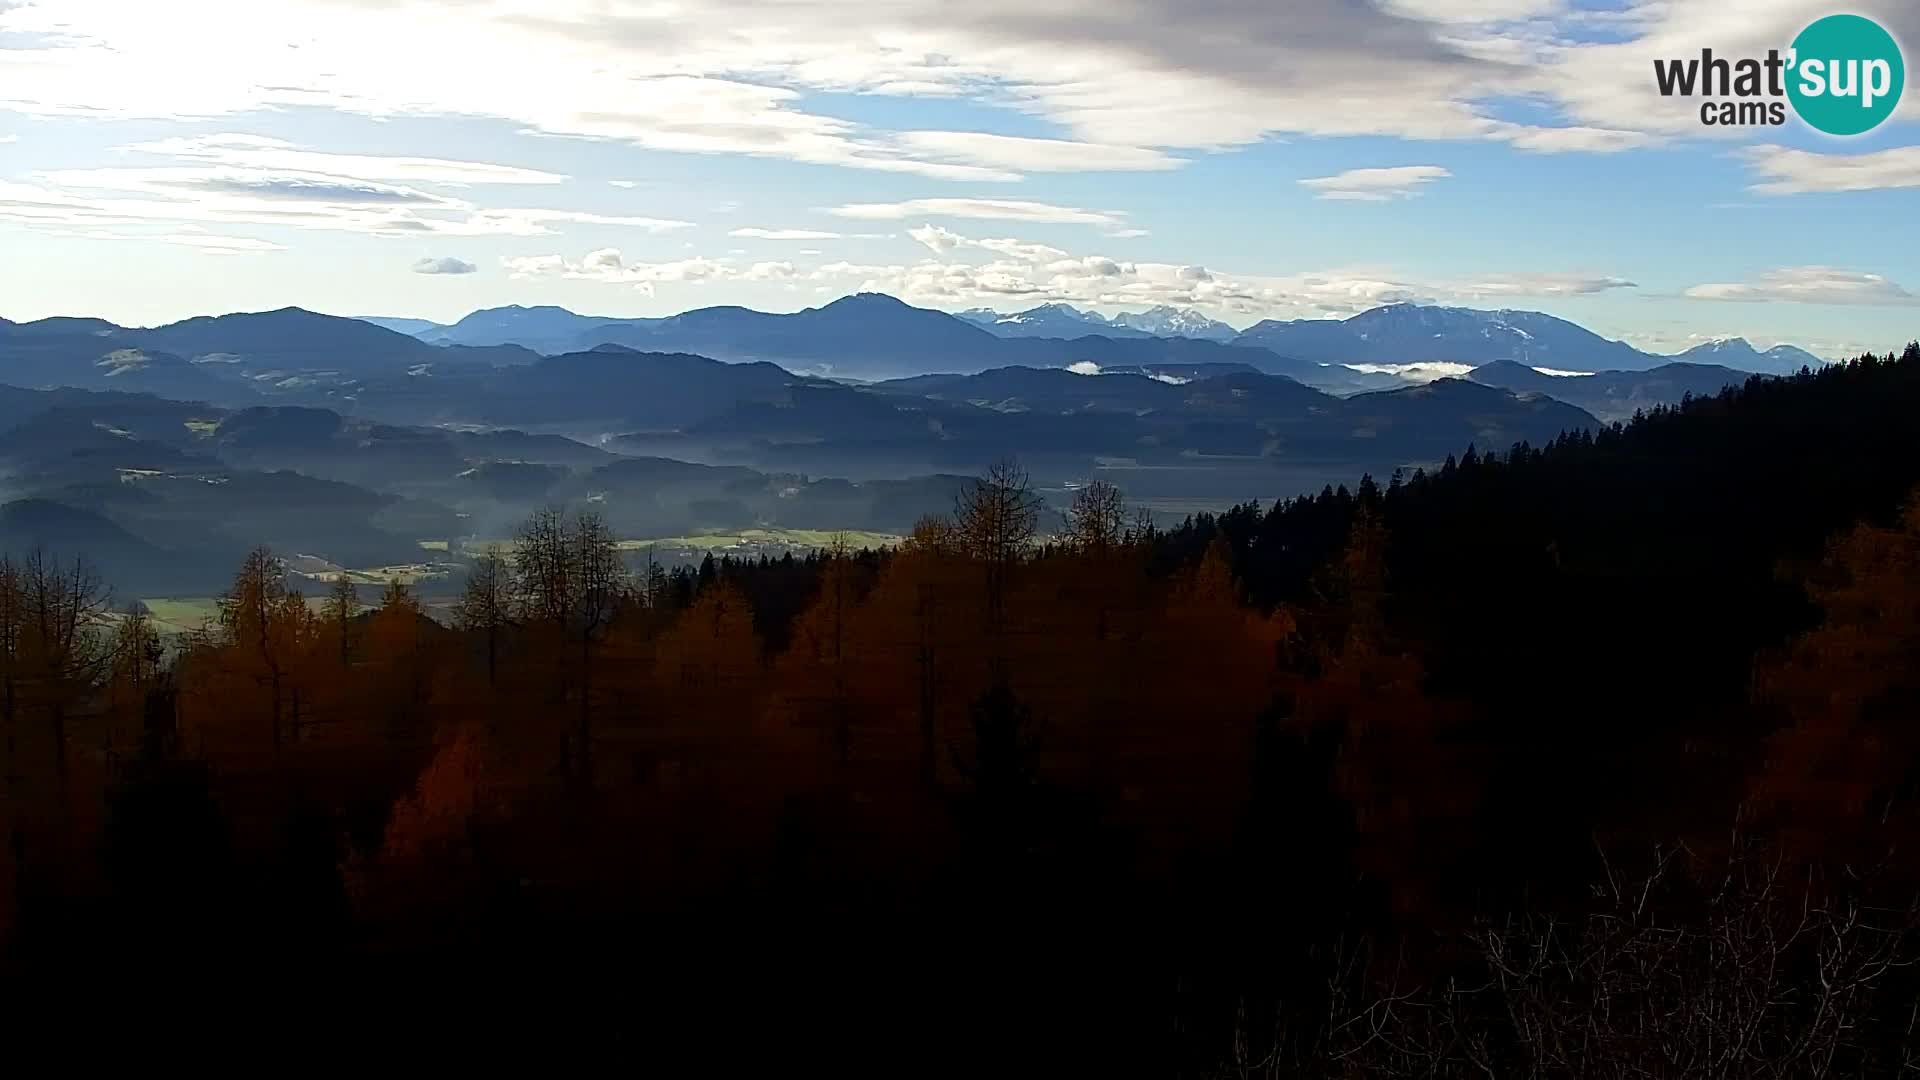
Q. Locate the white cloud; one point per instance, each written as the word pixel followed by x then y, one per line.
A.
pixel 770 271
pixel 1376 185
pixel 9 138
pixel 1036 155
pixel 1475 11
pixel 984 209
pixel 1421 373
pixel 942 241
pixel 1024 250
pixel 258 152
pixel 784 234
pixel 1572 139
pixel 575 217
pixel 188 237
pixel 1549 284
pixel 446 264
pixel 1084 367
pixel 248 184
pixel 1127 84
pixel 1011 275
pixel 357 199
pixel 608 265
pixel 624 183
pixel 1790 172
pixel 1810 285
pixel 937 239
pixel 226 245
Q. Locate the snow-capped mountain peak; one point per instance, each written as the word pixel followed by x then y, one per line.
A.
pixel 1165 320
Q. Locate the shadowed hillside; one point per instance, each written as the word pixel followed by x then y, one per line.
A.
pixel 1306 761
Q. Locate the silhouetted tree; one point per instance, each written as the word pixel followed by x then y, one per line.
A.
pixel 995 520
pixel 64 650
pixel 341 605
pixel 252 624
pixel 486 605
pixel 569 580
pixel 1096 521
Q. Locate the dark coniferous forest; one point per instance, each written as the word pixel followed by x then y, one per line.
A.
pixel 1589 759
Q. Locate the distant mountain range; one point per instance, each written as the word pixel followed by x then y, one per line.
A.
pixel 1400 334
pixel 876 336
pixel 412 327
pixel 738 379
pixel 543 329
pixel 226 358
pixel 350 442
pixel 292 356
pixel 166 452
pixel 865 336
pixel 415 434
pixel 1737 353
pixel 1613 395
pixel 1062 424
pixel 1165 320
pixel 1067 321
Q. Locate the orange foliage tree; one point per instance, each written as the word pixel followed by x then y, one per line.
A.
pixel 1848 762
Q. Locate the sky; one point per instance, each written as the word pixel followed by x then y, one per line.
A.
pixel 1250 158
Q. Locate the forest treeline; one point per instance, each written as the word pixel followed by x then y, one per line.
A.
pixel 1596 758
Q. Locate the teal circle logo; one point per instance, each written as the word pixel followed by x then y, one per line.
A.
pixel 1845 74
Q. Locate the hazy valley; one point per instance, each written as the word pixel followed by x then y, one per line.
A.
pixel 166 453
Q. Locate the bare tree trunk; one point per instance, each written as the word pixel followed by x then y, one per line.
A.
pixel 584 726
pixel 58 717
pixel 926 659
pixel 18 833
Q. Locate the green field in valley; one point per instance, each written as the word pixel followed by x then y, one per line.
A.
pixel 182 615
pixel 744 541
pixel 379 576
pixel 186 614
pixel 756 540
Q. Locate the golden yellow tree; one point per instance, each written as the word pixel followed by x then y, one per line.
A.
pixel 1844 766
pixel 817 669
pixel 707 660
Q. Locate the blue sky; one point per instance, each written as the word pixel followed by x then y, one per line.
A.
pixel 1254 161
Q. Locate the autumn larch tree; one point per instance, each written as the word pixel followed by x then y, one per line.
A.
pixel 931 546
pixel 568 580
pixel 395 642
pixel 486 605
pixel 63 608
pixel 341 606
pixel 137 656
pixel 818 660
pixel 253 627
pixel 1842 776
pixel 1096 520
pixel 995 520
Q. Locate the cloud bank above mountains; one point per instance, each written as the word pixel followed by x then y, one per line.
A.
pixel 1133 84
pixel 967 153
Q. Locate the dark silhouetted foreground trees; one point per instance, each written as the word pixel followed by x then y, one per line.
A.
pixel 1590 759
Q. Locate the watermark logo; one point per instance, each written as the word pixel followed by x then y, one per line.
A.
pixel 1849 75
pixel 1843 75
